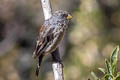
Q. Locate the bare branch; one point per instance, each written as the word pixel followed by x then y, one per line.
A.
pixel 57 65
pixel 58 71
pixel 46 9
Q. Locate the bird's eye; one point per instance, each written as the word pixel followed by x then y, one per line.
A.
pixel 64 15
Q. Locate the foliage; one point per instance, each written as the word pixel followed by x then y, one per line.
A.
pixel 111 65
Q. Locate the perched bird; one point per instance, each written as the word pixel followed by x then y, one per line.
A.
pixel 51 33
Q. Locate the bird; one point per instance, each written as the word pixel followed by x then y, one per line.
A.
pixel 51 34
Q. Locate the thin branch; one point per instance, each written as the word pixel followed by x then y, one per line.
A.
pixel 57 64
pixel 58 71
pixel 46 9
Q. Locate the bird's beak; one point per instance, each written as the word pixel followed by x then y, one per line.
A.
pixel 69 17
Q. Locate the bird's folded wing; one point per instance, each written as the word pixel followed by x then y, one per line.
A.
pixel 45 39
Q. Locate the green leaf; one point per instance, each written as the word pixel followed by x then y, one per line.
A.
pixel 102 70
pixel 108 66
pixel 118 78
pixel 109 69
pixel 108 77
pixel 114 59
pixel 94 76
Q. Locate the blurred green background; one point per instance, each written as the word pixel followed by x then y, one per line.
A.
pixel 93 33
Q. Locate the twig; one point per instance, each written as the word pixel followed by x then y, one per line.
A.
pixel 56 65
pixel 46 9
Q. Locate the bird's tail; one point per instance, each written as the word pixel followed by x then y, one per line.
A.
pixel 38 65
pixel 37 70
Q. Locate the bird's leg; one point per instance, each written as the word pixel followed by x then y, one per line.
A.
pixel 56 56
pixel 38 65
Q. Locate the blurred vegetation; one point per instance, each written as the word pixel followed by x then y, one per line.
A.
pixel 93 33
pixel 111 66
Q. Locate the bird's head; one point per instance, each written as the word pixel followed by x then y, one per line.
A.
pixel 63 15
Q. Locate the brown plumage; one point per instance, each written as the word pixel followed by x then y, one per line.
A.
pixel 51 33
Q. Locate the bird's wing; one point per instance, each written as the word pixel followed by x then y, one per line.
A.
pixel 54 37
pixel 40 43
pixel 47 40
